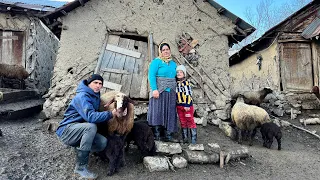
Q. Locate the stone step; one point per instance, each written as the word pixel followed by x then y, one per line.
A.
pixel 16 95
pixel 21 109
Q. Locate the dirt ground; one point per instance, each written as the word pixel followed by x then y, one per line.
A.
pixel 29 152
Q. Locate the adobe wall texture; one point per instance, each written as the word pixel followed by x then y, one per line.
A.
pixel 246 76
pixel 86 28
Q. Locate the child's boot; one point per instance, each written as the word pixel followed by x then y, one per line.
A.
pixel 194 135
pixel 185 135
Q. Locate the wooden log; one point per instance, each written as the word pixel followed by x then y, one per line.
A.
pixel 313 121
pixel 201 157
pixel 305 130
pixel 232 154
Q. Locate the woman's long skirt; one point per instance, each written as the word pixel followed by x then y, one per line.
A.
pixel 162 111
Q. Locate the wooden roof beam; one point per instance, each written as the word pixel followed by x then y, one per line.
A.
pixel 221 10
pixel 64 12
pixel 240 30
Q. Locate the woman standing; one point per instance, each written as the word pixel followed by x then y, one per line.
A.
pixel 162 105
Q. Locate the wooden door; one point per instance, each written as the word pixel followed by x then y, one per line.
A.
pixel 12 48
pixel 124 66
pixel 296 66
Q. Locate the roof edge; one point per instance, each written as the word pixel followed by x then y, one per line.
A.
pixel 271 33
pixel 244 29
pixel 65 9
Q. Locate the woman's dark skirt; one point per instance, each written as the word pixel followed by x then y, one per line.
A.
pixel 162 111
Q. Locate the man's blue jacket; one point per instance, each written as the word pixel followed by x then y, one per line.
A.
pixel 84 108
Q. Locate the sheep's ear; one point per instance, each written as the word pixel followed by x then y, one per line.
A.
pixel 130 100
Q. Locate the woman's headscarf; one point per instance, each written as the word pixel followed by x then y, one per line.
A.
pixel 165 59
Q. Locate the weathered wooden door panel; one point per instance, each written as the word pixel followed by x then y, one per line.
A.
pixel 296 66
pixel 123 65
pixel 12 47
pixel 126 80
pixel 138 87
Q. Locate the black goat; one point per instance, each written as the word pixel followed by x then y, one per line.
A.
pixel 143 137
pixel 268 131
pixel 114 152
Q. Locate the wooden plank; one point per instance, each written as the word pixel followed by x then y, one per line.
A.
pixel 126 80
pixel 111 85
pixel 109 65
pixel 137 75
pixel 7 49
pixel 1 48
pixel 119 61
pixel 123 43
pixel 315 61
pixel 144 82
pixel 116 71
pixel 101 55
pixel 123 51
pixel 105 59
pixel 113 76
pixel 109 58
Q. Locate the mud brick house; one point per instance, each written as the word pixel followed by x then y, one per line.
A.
pixel 118 39
pixel 289 54
pixel 26 41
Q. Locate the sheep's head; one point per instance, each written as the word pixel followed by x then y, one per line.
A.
pixel 267 90
pixel 121 103
pixel 240 98
pixel 315 90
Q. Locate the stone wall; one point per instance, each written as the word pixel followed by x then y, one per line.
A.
pixel 41 52
pixel 40 47
pixel 85 30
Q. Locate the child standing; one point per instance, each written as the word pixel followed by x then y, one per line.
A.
pixel 184 106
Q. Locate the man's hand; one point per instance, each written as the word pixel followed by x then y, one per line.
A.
pixel 187 109
pixel 115 113
pixel 155 94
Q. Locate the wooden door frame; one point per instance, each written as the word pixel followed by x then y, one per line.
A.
pixel 282 78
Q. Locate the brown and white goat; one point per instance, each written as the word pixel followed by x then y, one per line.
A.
pixel 117 128
pixel 123 123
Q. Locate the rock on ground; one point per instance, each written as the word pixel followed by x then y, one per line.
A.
pixel 201 157
pixel 179 162
pixel 168 148
pixel 155 163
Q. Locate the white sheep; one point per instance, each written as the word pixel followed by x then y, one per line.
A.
pixel 248 118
